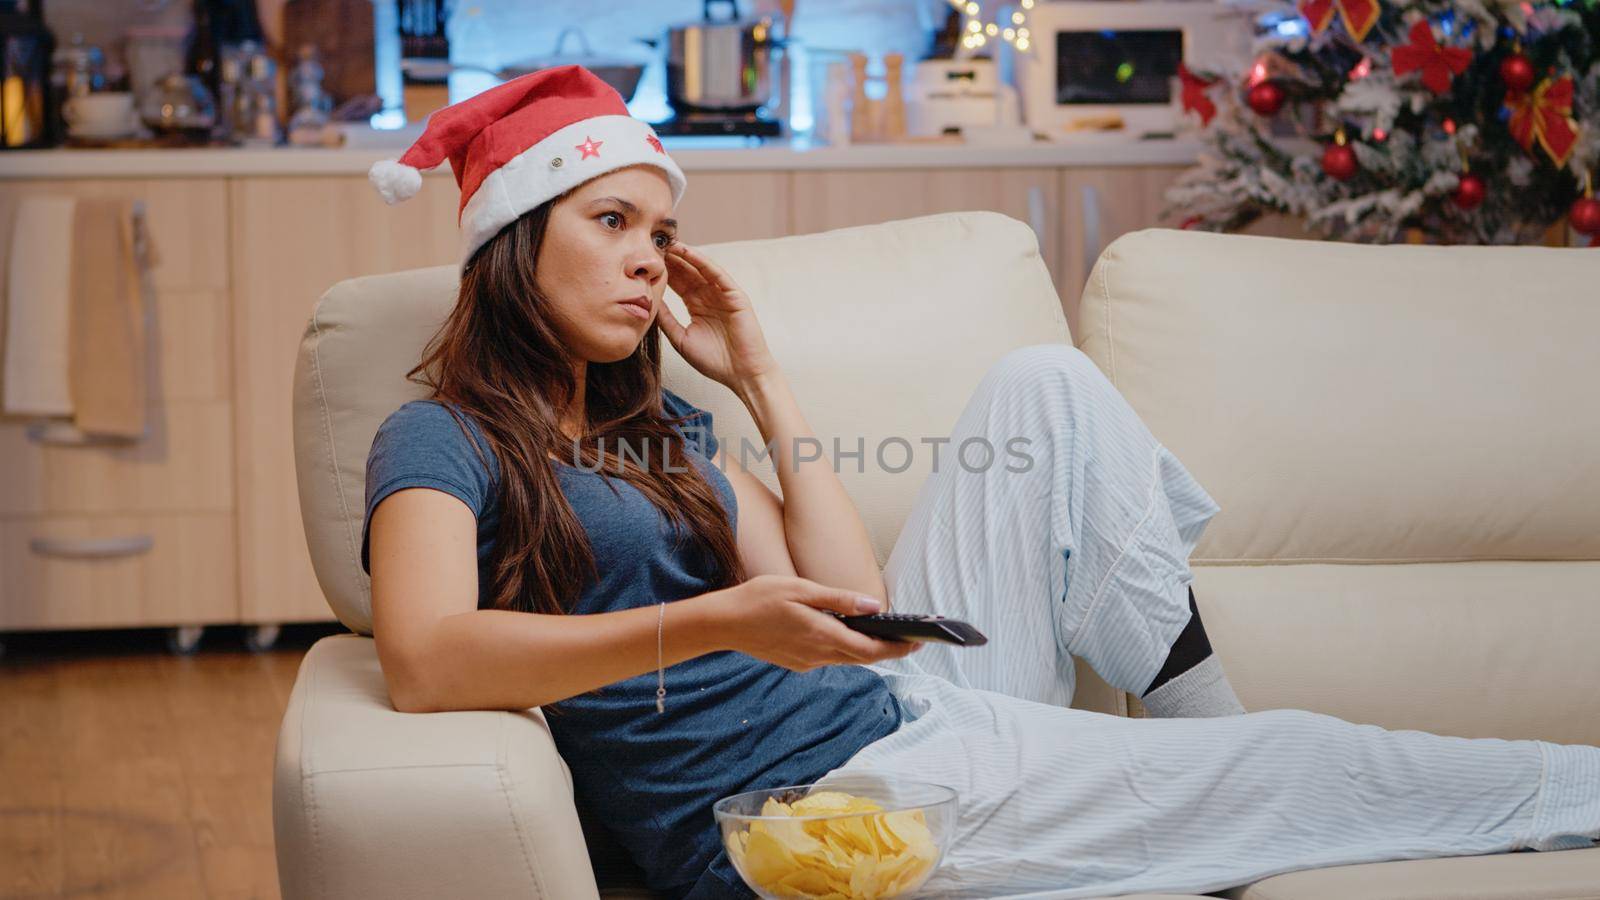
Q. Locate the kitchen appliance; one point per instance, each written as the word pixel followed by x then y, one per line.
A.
pixel 722 73
pixel 28 116
pixel 1092 60
pixel 953 95
pixel 152 53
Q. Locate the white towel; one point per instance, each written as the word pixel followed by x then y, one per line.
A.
pixel 38 337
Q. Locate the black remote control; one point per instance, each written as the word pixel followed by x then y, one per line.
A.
pixel 915 627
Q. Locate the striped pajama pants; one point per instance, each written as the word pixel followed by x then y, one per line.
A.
pixel 1085 554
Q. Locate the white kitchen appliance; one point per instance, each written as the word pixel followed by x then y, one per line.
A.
pixel 1091 60
pixel 944 95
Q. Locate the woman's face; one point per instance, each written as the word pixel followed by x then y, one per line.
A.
pixel 605 245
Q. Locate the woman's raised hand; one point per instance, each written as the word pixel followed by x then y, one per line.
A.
pixel 784 620
pixel 723 340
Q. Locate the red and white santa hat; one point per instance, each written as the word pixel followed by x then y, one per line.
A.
pixel 523 142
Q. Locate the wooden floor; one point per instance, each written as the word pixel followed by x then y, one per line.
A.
pixel 127 771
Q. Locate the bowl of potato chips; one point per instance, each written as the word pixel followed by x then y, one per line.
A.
pixel 855 837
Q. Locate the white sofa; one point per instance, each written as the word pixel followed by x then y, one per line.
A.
pixel 1404 441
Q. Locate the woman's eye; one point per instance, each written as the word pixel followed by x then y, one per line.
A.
pixel 663 240
pixel 608 218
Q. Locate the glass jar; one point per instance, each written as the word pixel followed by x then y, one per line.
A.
pixel 179 104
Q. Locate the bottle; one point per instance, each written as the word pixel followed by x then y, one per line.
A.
pixel 308 100
pixel 29 114
pixel 256 108
pixel 202 57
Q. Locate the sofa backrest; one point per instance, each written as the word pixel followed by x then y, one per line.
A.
pixel 882 330
pixel 1405 443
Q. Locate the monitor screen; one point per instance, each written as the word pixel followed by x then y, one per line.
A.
pixel 1109 66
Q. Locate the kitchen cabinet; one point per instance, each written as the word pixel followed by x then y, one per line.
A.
pixel 734 206
pixel 293 238
pixel 836 199
pixel 123 570
pixel 141 533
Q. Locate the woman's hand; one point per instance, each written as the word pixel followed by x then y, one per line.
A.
pixel 785 621
pixel 722 341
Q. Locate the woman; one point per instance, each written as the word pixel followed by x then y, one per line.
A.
pixel 552 528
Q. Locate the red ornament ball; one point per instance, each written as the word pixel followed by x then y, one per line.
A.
pixel 1339 161
pixel 1266 98
pixel 1470 192
pixel 1517 72
pixel 1585 216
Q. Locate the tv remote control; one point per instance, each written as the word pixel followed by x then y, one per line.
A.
pixel 915 627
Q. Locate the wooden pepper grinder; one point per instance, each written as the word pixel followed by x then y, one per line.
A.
pixel 894 101
pixel 861 125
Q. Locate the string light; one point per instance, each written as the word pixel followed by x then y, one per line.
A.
pixel 976 32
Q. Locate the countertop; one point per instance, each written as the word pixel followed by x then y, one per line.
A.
pixel 693 154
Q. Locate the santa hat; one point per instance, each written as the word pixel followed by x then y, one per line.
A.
pixel 521 143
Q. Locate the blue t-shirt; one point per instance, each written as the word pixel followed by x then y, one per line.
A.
pixel 732 723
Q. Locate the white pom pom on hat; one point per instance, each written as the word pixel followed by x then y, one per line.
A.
pixel 395 180
pixel 522 143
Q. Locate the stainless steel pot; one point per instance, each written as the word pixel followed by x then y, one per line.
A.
pixel 619 72
pixel 722 64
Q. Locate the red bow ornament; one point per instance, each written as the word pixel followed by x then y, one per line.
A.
pixel 1359 15
pixel 1545 115
pixel 1194 97
pixel 1438 64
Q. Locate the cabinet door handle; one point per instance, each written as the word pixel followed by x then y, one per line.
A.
pixel 66 434
pixel 92 548
pixel 1036 213
pixel 1090 196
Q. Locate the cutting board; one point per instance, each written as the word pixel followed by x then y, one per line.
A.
pixel 342 32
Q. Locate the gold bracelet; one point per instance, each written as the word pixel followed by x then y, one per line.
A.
pixel 661 673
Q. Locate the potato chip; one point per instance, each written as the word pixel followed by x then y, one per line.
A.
pixel 870 855
pixel 823 803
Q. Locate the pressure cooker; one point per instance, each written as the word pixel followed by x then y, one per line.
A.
pixel 722 63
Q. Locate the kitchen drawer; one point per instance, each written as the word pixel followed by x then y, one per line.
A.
pixel 184 465
pixel 117 571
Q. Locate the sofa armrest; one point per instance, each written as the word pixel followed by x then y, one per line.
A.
pixel 370 802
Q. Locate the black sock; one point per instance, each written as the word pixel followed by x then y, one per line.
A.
pixel 1189 650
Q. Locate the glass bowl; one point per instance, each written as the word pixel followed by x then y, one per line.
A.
pixel 826 839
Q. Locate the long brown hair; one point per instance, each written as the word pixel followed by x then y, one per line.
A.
pixel 498 359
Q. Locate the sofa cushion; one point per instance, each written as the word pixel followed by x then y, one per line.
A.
pixel 1402 440
pixel 1479 649
pixel 1354 403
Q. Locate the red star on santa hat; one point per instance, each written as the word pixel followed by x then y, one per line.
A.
pixel 655 142
pixel 589 147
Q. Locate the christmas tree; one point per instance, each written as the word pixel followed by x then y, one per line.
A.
pixel 1473 121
